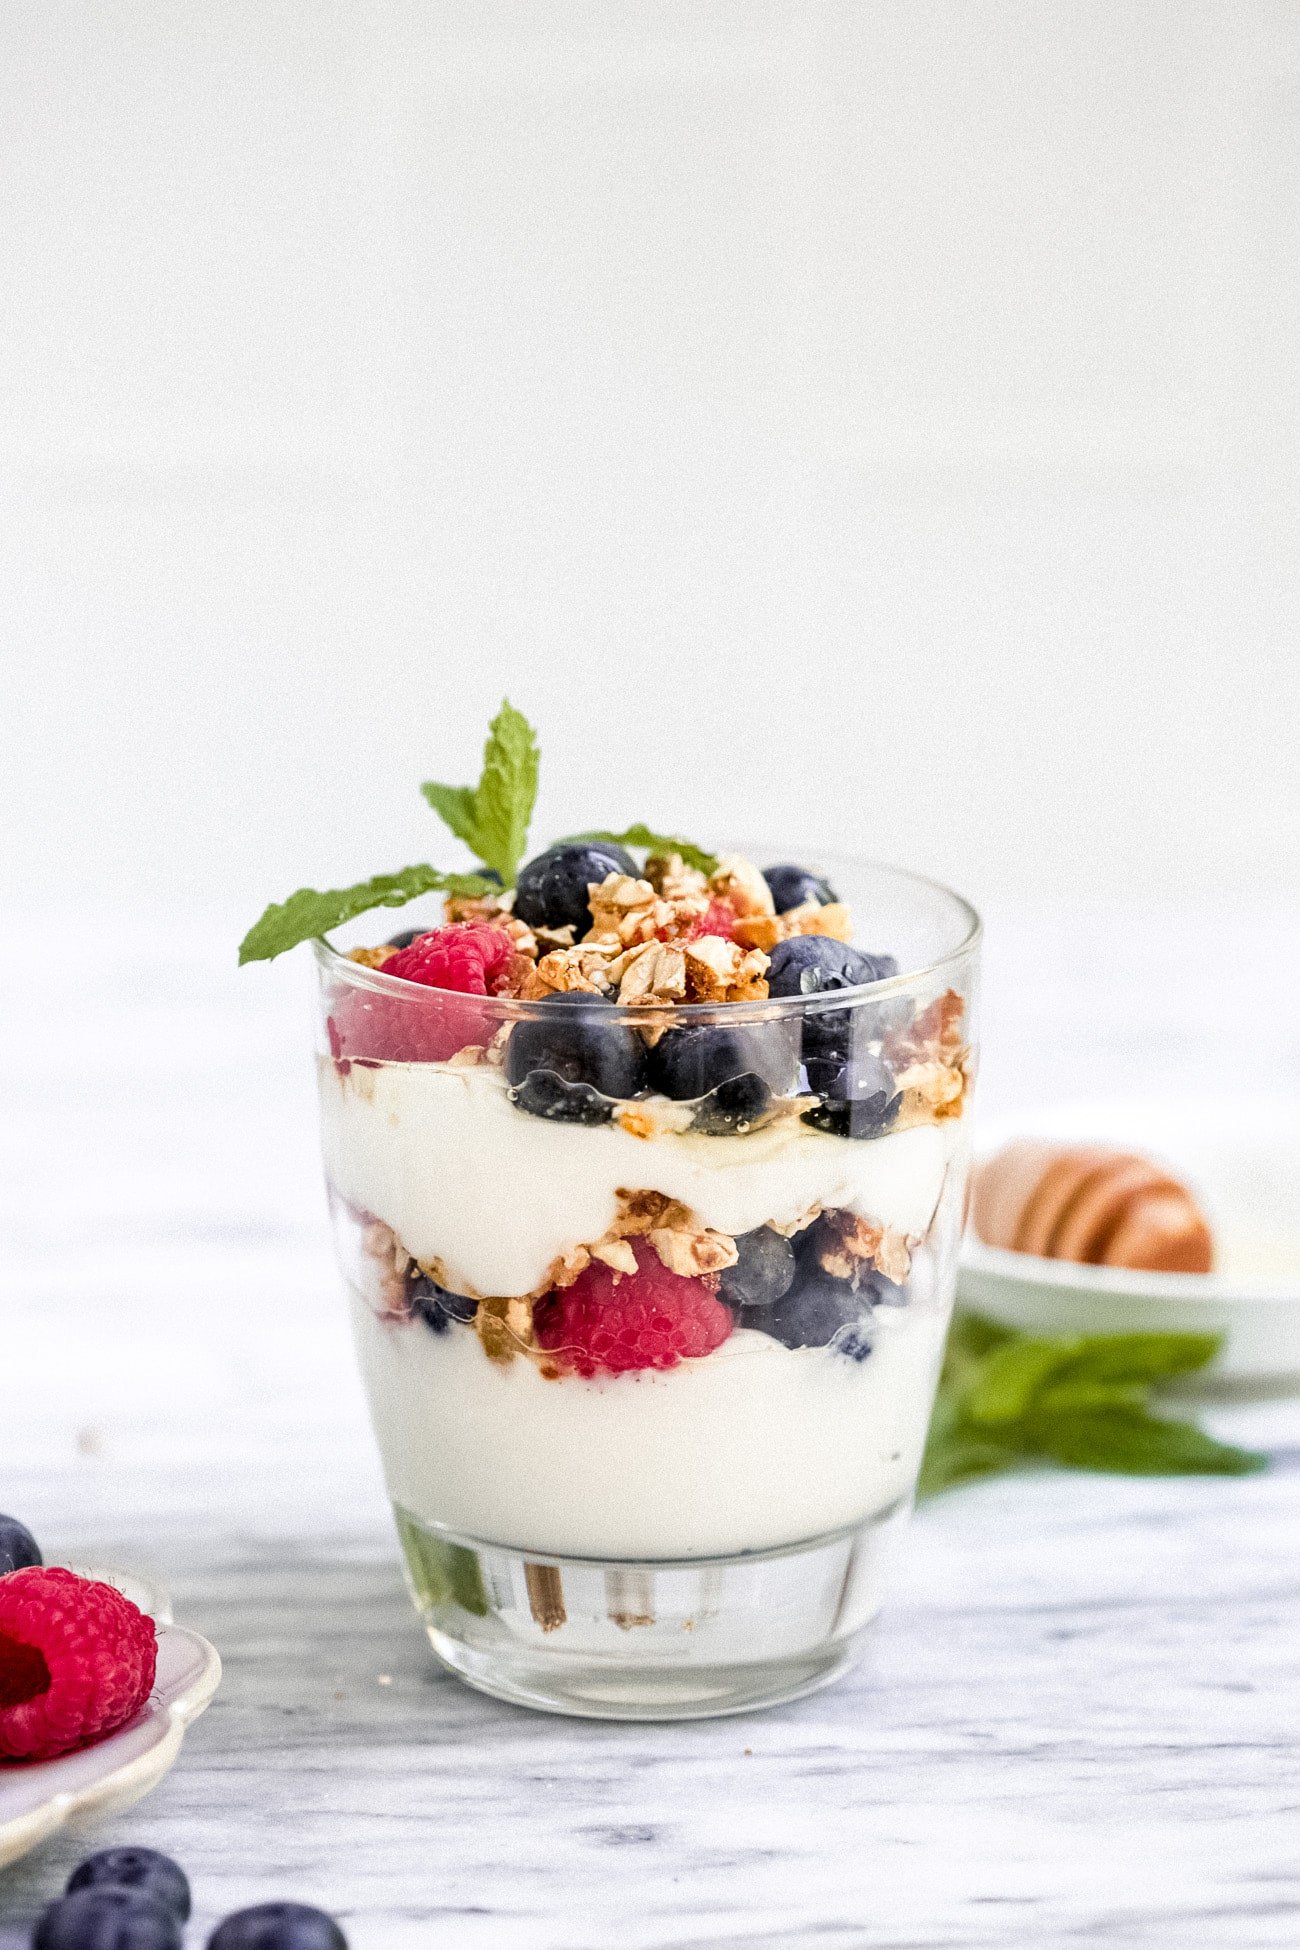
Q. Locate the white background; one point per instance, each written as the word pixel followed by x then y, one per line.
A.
pixel 875 422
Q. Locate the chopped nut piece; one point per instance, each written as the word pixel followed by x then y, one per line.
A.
pixel 788 1227
pixel 930 1092
pixel 738 880
pixel 372 957
pixel 933 1036
pixel 493 908
pixel 850 1245
pixel 894 1257
pixel 672 879
pixel 380 1243
pixel 519 974
pixel 693 1251
pixel 626 907
pixel 616 1253
pixel 468 1058
pixel 765 930
pixel 505 1328
pixel 565 971
pixel 643 1211
pixel 653 973
pixel 721 971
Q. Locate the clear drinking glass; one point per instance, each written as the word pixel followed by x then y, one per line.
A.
pixel 702 1537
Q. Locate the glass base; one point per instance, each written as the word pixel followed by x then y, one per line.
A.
pixel 669 1640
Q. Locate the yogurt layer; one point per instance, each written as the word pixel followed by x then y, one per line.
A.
pixel 442 1156
pixel 753 1447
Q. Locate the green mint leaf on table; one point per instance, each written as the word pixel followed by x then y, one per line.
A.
pixel 310 913
pixel 1124 1438
pixel 493 817
pixel 640 835
pixel 1007 1398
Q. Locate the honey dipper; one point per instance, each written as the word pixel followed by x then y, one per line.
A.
pixel 1090 1204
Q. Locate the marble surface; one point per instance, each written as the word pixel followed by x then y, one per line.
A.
pixel 1079 1721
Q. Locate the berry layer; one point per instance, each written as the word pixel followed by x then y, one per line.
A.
pixel 753 1447
pixel 442 1156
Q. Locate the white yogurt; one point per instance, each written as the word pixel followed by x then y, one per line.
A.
pixel 755 1446
pixel 442 1156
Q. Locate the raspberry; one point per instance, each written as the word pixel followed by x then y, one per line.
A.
pixel 76 1661
pixel 719 917
pixel 469 957
pixel 614 1322
pixel 466 959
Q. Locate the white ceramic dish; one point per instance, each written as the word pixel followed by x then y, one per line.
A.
pixel 1242 1158
pixel 39 1797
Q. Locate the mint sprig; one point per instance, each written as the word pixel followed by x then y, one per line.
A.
pixel 1007 1398
pixel 493 817
pixel 640 835
pixel 310 913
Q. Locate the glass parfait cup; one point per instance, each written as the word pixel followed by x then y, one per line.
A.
pixel 651 1377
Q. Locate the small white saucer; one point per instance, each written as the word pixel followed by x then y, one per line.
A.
pixel 1241 1156
pixel 41 1796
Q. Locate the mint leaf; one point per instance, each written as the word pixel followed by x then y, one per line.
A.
pixel 640 835
pixel 1005 1398
pixel 1008 1379
pixel 454 805
pixel 309 913
pixel 1125 1440
pixel 493 817
pixel 1140 1357
pixel 506 791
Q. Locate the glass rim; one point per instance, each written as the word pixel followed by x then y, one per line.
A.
pixel 336 962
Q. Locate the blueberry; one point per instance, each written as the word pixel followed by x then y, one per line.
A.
pixel 796 886
pixel 763 1272
pixel 135 1868
pixel 107 1919
pixel 278 1926
pixel 734 1107
pixel 563 1048
pixel 551 891
pixel 813 964
pixel 18 1548
pixel 688 1063
pixel 435 1305
pixel 545 1095
pixel 885 1293
pixel 860 1096
pixel 735 1072
pixel 406 937
pixel 818 1310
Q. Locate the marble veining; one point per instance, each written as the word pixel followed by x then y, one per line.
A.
pixel 1080 1719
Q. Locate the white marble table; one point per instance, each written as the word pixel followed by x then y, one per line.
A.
pixel 1079 1722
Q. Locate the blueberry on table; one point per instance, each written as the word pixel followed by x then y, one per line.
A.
pixel 551 891
pixel 278 1926
pixel 18 1548
pixel 144 1869
pixel 563 1063
pixel 736 1072
pixel 107 1919
pixel 860 1097
pixel 436 1305
pixel 818 1310
pixel 763 1272
pixel 796 887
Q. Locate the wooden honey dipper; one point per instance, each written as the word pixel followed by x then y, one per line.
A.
pixel 1096 1206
